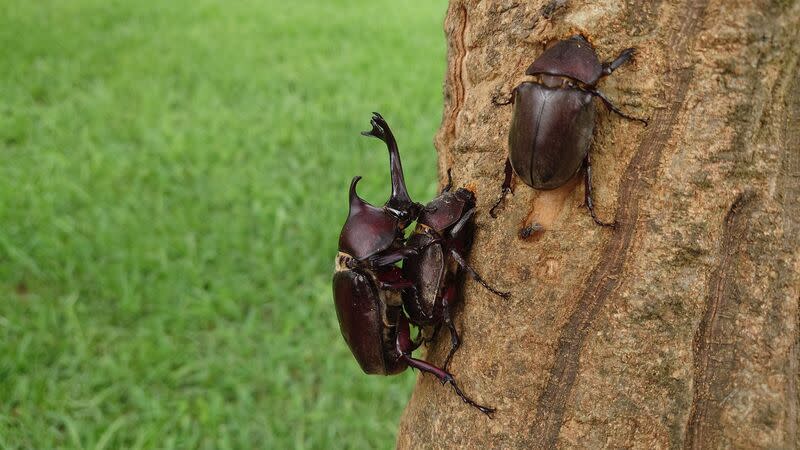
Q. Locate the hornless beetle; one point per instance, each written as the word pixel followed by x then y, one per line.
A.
pixel 444 232
pixel 554 118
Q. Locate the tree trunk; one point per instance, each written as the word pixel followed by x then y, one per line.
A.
pixel 680 327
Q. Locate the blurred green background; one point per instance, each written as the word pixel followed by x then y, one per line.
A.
pixel 172 186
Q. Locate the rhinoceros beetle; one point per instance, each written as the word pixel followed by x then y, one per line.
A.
pixel 367 283
pixel 554 118
pixel 444 233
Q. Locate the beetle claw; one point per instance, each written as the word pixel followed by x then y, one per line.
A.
pixel 504 193
pixel 379 125
pixel 377 117
pixel 611 225
pixel 484 409
pixel 378 129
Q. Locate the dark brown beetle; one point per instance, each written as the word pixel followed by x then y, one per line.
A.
pixel 444 231
pixel 554 118
pixel 367 283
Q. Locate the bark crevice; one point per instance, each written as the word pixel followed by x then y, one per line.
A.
pixel 456 25
pixel 713 356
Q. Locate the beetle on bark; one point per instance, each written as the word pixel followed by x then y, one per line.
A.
pixel 444 232
pixel 367 283
pixel 554 118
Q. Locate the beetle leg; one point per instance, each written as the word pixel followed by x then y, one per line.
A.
pixel 393 279
pixel 396 285
pixel 587 193
pixel 391 257
pixel 433 335
pixel 506 189
pixel 455 342
pixel 462 222
pixel 623 57
pixel 403 345
pixel 461 262
pixel 446 378
pixel 449 184
pixel 611 106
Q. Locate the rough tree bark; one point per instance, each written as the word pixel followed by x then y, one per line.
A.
pixel 680 327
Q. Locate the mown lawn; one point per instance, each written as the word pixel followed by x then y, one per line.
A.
pixel 172 186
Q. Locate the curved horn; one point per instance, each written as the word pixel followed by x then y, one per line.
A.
pixel 356 202
pixel 400 200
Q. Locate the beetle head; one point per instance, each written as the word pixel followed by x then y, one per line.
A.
pixel 574 58
pixel 368 230
pixel 446 209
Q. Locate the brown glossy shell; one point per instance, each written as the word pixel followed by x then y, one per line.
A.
pixel 368 230
pixel 551 130
pixel 574 58
pixel 367 323
pixel 446 209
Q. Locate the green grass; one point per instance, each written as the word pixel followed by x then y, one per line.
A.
pixel 172 186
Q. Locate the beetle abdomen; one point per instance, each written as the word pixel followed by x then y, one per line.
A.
pixel 362 318
pixel 551 130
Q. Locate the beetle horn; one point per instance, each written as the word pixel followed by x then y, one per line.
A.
pixel 400 200
pixel 356 202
